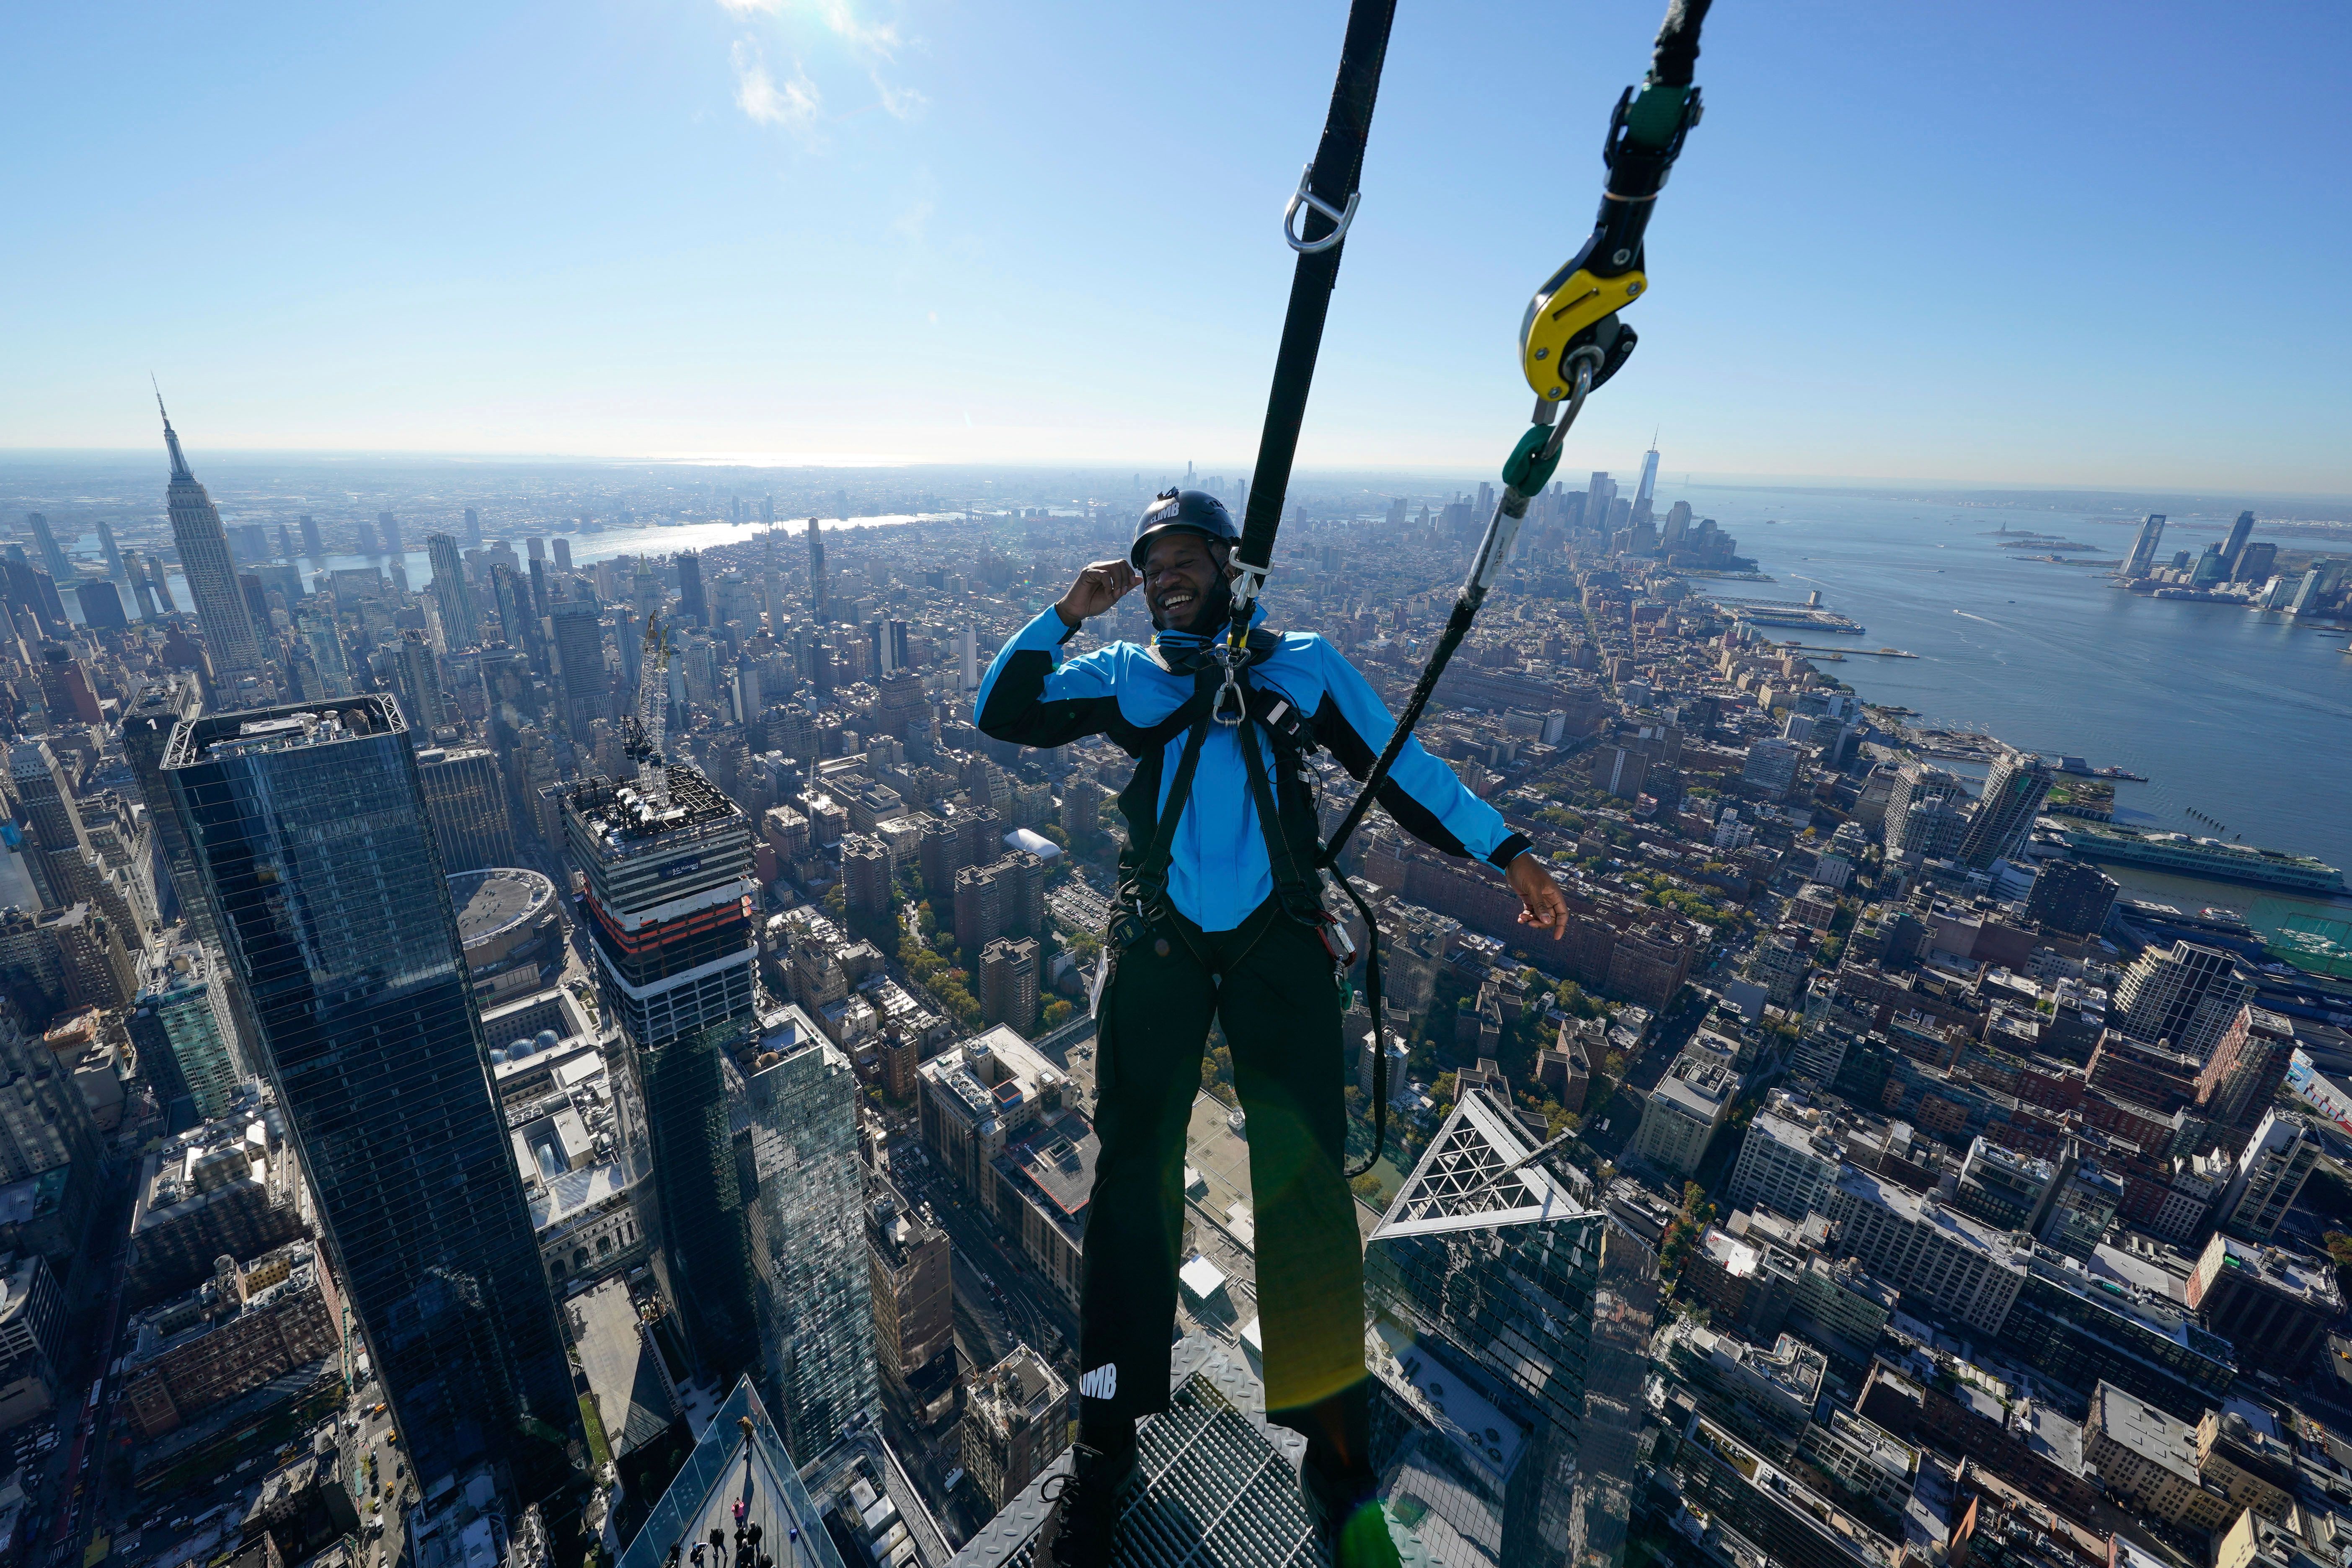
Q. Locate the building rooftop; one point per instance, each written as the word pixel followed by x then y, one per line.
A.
pixel 861 1475
pixel 2310 1279
pixel 996 1076
pixel 293 728
pixel 2154 1312
pixel 1460 1404
pixel 2000 1245
pixel 1056 1157
pixel 493 900
pixel 1791 1368
pixel 288 1271
pixel 1020 1389
pixel 2146 1431
pixel 623 822
pixel 632 1397
pixel 187 1171
pixel 1697 1085
pixel 1787 1124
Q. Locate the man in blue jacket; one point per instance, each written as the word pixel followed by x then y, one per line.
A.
pixel 1221 914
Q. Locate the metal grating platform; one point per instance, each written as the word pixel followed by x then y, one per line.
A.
pixel 1216 1485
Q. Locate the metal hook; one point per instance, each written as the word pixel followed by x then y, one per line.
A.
pixel 1340 218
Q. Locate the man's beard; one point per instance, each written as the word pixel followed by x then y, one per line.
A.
pixel 1209 612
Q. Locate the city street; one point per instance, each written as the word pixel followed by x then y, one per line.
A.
pixel 85 1425
pixel 1023 1305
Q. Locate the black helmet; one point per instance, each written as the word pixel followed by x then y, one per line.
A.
pixel 1183 511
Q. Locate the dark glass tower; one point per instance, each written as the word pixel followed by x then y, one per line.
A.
pixel 692 607
pixel 668 879
pixel 309 828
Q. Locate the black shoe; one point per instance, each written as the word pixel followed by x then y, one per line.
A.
pixel 1347 1517
pixel 1084 1511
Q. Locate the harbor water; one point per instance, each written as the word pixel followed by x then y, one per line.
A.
pixel 2242 717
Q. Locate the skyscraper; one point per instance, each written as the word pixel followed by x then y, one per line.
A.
pixel 102 605
pixel 2254 562
pixel 2184 997
pixel 2236 542
pixel 312 547
pixel 816 570
pixel 888 639
pixel 670 884
pixel 1495 1288
pixel 140 587
pixel 769 606
pixel 466 798
pixel 809 1229
pixel 59 854
pixel 692 608
pixel 2247 1066
pixel 2280 1157
pixel 2004 813
pixel 388 529
pixel 53 560
pixel 205 561
pixel 580 664
pixel 1913 823
pixel 1599 500
pixel 1646 492
pixel 156 706
pixel 2071 896
pixel 309 828
pixel 456 601
pixel 2142 559
pixel 473 529
pixel 419 682
pixel 106 547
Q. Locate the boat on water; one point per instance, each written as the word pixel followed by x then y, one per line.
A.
pixel 2082 769
pixel 2191 856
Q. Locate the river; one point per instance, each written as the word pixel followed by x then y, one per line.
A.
pixel 2244 717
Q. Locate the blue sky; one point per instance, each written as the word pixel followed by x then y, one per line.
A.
pixel 2092 244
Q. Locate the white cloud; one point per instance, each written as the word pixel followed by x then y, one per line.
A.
pixel 794 105
pixel 900 102
pixel 839 18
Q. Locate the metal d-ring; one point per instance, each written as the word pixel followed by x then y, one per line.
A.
pixel 1341 217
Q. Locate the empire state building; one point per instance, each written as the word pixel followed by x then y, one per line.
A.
pixel 211 575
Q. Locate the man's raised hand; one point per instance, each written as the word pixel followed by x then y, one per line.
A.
pixel 1098 587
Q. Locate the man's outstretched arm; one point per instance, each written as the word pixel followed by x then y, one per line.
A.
pixel 1030 696
pixel 1427 799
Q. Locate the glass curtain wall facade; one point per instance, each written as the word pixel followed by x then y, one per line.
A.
pixel 808 1230
pixel 1504 1272
pixel 310 832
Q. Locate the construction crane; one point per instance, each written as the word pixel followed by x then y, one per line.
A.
pixel 648 726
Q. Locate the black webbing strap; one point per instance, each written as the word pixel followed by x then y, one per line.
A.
pixel 1380 1044
pixel 1151 871
pixel 1338 163
pixel 1307 888
pixel 1292 885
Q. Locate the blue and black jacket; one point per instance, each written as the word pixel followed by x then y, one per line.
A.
pixel 1220 870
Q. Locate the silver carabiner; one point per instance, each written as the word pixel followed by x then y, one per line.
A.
pixel 1231 689
pixel 1303 198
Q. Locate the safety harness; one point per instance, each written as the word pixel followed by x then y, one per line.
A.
pixel 1570 342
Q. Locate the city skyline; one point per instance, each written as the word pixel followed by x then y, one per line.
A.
pixel 621 912
pixel 728 228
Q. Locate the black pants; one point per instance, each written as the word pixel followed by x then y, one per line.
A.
pixel 1279 1003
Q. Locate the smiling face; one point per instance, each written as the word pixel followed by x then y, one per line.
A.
pixel 1181 572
